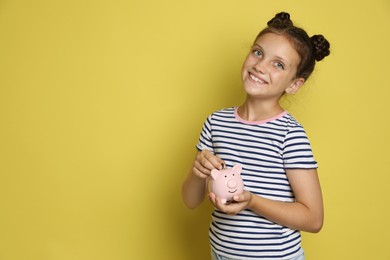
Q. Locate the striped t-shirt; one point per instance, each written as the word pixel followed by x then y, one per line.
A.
pixel 265 150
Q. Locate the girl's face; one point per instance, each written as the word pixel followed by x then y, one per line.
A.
pixel 270 67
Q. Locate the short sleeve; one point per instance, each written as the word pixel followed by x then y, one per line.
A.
pixel 297 152
pixel 205 140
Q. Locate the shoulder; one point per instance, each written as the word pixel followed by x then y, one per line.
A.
pixel 290 128
pixel 224 113
pixel 287 122
pixel 291 121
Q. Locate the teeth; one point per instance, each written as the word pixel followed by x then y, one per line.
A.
pixel 256 79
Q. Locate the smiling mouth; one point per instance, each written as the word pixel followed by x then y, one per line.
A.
pixel 256 79
pixel 233 191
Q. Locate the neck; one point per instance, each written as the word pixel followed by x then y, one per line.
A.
pixel 255 110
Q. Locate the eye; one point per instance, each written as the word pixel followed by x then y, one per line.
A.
pixel 257 52
pixel 279 65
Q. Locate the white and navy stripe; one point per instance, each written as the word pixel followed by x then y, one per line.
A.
pixel 265 150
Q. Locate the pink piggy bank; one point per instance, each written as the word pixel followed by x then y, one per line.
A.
pixel 226 183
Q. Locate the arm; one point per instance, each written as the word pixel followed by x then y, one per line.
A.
pixel 194 186
pixel 305 213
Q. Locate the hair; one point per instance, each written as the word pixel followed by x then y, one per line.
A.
pixel 309 49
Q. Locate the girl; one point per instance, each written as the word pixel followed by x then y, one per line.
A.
pixel 282 192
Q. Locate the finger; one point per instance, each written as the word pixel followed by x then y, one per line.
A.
pixel 216 162
pixel 198 167
pixel 212 161
pixel 243 198
pixel 220 205
pixel 216 201
pixel 206 166
pixel 202 161
pixel 212 198
pixel 199 173
pixel 239 198
pixel 207 162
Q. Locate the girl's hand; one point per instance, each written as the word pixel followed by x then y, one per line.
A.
pixel 240 203
pixel 194 186
pixel 204 162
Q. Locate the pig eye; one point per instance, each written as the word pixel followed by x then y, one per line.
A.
pixel 225 176
pixel 233 174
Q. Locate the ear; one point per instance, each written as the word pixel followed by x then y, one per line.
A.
pixel 237 168
pixel 295 85
pixel 214 174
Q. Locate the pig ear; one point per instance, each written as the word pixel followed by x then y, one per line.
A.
pixel 214 173
pixel 237 168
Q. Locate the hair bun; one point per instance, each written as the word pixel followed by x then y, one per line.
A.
pixel 321 47
pixel 280 21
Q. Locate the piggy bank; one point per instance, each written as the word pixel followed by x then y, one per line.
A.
pixel 226 183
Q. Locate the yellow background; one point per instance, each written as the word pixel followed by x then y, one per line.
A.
pixel 101 104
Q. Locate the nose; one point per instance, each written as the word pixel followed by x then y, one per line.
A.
pixel 259 66
pixel 232 184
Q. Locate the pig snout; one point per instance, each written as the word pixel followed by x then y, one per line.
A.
pixel 231 184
